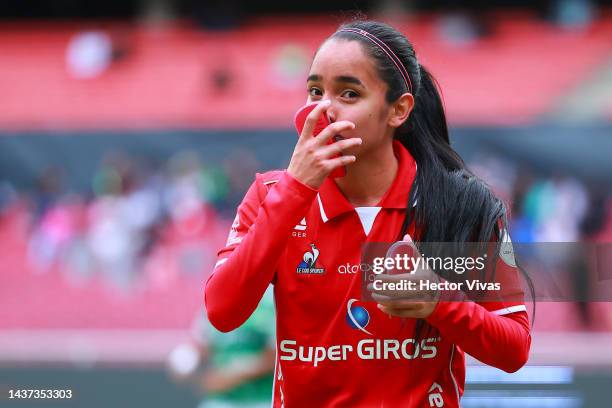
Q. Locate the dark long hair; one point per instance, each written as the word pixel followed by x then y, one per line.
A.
pixel 447 202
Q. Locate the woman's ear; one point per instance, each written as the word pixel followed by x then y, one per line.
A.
pixel 400 110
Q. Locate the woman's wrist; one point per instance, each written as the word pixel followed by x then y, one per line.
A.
pixel 297 185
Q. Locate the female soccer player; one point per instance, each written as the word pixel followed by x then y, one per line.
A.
pixel 303 232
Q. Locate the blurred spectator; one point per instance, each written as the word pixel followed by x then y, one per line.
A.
pixel 232 369
pixel 142 222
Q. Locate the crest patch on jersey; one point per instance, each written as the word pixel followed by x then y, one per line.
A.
pixel 506 250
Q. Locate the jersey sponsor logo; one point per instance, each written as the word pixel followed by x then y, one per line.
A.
pixel 365 349
pixel 349 268
pixel 357 317
pixel 308 265
pixel 299 231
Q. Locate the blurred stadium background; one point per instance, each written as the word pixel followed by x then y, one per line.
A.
pixel 129 131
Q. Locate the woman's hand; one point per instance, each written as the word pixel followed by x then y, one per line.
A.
pixel 413 303
pixel 313 159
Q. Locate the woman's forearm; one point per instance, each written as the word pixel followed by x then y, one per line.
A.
pixel 245 270
pixel 499 341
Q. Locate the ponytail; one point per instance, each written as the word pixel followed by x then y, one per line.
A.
pixel 425 135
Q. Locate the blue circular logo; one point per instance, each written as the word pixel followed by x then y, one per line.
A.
pixel 357 317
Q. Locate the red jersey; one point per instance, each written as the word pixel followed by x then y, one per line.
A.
pixel 333 349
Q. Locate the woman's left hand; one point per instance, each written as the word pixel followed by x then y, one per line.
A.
pixel 414 303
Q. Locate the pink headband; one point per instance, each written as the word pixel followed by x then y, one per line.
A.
pixel 396 61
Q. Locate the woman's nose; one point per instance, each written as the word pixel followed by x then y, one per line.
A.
pixel 331 113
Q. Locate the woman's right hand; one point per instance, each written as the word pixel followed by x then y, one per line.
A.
pixel 313 159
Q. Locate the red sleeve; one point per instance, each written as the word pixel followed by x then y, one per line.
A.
pixel 495 331
pixel 499 341
pixel 247 264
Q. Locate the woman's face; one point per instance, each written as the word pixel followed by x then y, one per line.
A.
pixel 344 74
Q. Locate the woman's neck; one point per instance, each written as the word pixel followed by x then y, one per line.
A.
pixel 368 179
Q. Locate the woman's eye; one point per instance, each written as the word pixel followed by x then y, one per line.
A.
pixel 314 91
pixel 350 94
